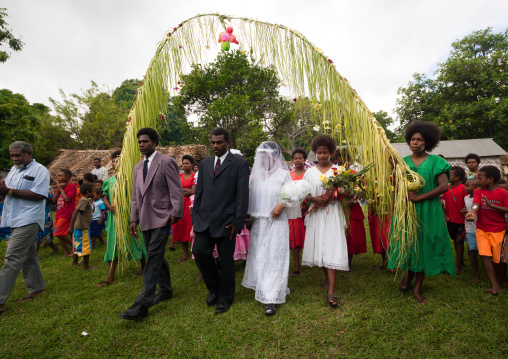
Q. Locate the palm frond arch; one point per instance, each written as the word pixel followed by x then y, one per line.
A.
pixel 305 70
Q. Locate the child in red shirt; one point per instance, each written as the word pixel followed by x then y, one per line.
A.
pixel 65 200
pixel 453 204
pixel 490 203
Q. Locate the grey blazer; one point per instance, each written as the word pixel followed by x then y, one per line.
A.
pixel 160 197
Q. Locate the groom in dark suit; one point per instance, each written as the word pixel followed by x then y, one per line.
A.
pixel 220 207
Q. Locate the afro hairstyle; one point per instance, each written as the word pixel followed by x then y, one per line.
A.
pixel 323 140
pixel 430 132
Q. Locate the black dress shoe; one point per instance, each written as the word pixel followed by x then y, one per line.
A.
pixel 270 309
pixel 212 299
pixel 162 297
pixel 135 312
pixel 222 308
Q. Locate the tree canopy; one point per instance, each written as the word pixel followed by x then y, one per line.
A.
pixel 6 37
pixel 468 97
pixel 95 118
pixel 18 122
pixel 237 93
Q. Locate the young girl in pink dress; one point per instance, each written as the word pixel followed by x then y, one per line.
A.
pixel 296 226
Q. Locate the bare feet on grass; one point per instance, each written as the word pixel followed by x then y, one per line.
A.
pixel 104 283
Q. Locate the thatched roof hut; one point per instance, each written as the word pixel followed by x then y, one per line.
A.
pixel 81 161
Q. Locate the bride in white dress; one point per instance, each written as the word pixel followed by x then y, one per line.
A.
pixel 268 259
pixel 325 238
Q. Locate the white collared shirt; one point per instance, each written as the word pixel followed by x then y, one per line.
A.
pixel 19 212
pixel 222 158
pixel 150 159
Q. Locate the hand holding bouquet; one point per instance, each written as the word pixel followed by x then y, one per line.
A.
pixel 348 184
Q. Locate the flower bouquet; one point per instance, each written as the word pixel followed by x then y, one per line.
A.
pixel 344 184
pixel 348 184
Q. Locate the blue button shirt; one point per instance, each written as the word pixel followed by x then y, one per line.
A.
pixel 18 212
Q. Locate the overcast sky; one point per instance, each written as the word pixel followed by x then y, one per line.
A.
pixel 377 45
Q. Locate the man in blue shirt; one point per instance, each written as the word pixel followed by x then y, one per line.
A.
pixel 25 190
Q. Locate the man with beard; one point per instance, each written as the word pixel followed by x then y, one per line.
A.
pixel 25 190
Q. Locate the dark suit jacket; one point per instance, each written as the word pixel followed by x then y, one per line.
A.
pixel 223 199
pixel 160 197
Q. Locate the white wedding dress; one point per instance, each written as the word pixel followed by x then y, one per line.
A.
pixel 268 259
pixel 325 237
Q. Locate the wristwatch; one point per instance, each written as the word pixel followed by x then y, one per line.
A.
pixel 10 192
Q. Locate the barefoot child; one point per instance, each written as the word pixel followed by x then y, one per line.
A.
pixel 80 226
pixel 453 204
pixel 470 186
pixel 65 200
pixel 98 217
pixel 490 203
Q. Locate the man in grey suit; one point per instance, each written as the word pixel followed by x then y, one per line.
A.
pixel 220 207
pixel 157 203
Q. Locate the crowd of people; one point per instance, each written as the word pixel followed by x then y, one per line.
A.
pixel 221 211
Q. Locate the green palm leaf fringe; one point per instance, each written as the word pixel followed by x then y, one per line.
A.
pixel 307 72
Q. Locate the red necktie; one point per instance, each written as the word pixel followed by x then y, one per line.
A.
pixel 217 166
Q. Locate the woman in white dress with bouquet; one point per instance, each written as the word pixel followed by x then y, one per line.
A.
pixel 268 259
pixel 325 237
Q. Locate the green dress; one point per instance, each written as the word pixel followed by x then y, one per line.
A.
pixel 137 247
pixel 432 253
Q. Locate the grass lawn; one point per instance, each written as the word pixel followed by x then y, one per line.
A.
pixel 374 318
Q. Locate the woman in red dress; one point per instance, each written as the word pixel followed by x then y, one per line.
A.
pixel 355 233
pixel 379 228
pixel 182 229
pixel 296 226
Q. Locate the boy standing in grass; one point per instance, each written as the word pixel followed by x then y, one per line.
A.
pixel 80 226
pixel 490 203
pixel 98 217
pixel 470 186
pixel 453 204
pixel 65 200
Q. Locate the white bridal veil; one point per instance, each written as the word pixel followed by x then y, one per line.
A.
pixel 271 184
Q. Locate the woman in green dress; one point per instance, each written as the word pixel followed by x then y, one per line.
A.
pixel 137 247
pixel 432 252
